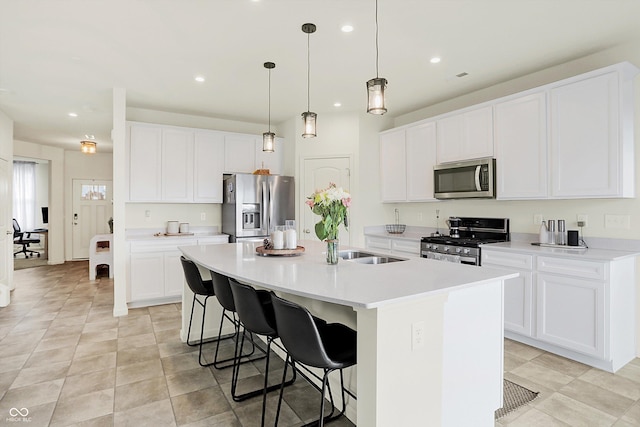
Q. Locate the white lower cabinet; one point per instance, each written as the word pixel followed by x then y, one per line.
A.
pixel 580 309
pixel 389 245
pixel 155 270
pixel 571 313
pixel 518 292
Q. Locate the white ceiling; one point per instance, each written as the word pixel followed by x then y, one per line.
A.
pixel 66 56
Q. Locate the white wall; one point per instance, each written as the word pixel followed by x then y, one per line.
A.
pixel 521 212
pixel 42 191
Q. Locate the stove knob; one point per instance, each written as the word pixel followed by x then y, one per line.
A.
pixel 467 250
pixel 434 247
pixel 445 249
pixel 458 250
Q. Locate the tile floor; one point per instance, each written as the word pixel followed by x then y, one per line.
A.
pixel 65 358
pixel 69 362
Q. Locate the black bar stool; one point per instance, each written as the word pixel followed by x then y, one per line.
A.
pixel 202 288
pixel 255 312
pixel 222 291
pixel 314 342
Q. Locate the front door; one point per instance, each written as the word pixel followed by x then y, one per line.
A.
pixel 317 174
pixel 6 236
pixel 92 208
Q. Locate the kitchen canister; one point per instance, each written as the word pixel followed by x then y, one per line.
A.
pixel 184 227
pixel 277 237
pixel 173 227
pixel 290 236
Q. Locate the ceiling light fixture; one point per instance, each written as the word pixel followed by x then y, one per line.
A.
pixel 347 28
pixel 73 114
pixel 88 147
pixel 199 79
pixel 308 118
pixel 269 138
pixel 376 86
pixel 435 60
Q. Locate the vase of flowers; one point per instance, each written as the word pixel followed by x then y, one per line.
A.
pixel 331 204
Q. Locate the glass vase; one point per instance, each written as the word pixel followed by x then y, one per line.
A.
pixel 332 251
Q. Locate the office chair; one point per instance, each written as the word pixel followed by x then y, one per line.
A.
pixel 23 238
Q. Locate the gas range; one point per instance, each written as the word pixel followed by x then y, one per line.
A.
pixel 473 232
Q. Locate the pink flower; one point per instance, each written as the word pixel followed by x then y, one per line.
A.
pixel 346 202
pixel 309 202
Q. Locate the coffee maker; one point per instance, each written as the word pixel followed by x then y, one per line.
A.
pixel 454 226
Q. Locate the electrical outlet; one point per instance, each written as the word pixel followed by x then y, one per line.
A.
pixel 617 221
pixel 537 219
pixel 147 213
pixel 203 216
pixel 581 218
pixel 417 335
pixel 419 216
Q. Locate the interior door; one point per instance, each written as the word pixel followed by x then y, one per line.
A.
pixel 92 208
pixel 318 173
pixel 6 237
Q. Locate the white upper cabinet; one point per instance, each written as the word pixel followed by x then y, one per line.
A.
pixel 466 135
pixel 569 139
pixel 272 161
pixel 208 166
pixel 393 166
pixel 591 152
pixel 145 167
pixel 421 157
pixel 243 154
pixel 183 165
pixel 521 147
pixel 407 157
pixel 177 165
pixel 239 153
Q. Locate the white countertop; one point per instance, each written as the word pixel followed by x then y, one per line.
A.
pixel 589 254
pixel 348 283
pixel 158 234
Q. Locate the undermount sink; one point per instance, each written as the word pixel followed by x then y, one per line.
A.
pixel 354 254
pixel 367 258
pixel 377 260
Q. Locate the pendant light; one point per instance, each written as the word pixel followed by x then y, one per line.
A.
pixel 269 138
pixel 376 87
pixel 308 118
pixel 88 147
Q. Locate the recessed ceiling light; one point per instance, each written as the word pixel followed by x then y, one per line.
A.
pixel 199 79
pixel 435 60
pixel 337 104
pixel 73 114
pixel 88 136
pixel 346 28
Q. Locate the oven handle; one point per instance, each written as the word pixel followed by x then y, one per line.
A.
pixel 478 186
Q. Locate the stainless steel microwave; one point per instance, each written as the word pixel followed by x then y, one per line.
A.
pixel 463 180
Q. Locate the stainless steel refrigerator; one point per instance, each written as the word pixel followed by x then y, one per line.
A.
pixel 253 204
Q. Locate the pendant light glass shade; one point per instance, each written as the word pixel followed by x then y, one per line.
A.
pixel 88 147
pixel 377 86
pixel 308 118
pixel 269 138
pixel 309 124
pixel 268 142
pixel 375 90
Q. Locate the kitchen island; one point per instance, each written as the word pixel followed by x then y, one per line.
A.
pixel 430 334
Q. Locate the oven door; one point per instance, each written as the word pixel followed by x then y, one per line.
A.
pixel 458 259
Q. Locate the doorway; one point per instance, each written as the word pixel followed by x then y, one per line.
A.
pixel 317 173
pixel 92 209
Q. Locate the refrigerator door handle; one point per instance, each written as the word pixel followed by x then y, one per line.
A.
pixel 266 208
